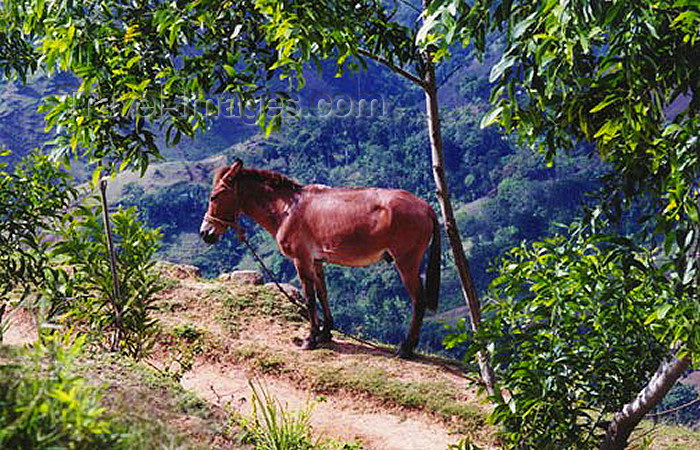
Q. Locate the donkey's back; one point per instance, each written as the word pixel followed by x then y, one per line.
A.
pixel 356 226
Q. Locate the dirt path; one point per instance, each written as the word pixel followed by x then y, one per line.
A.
pixel 221 375
pixel 342 419
pixel 21 327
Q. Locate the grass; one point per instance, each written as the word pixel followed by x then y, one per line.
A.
pixel 437 397
pixel 271 426
pixel 322 371
pixel 261 359
pixel 664 437
pixel 248 301
pixel 78 395
pixel 363 378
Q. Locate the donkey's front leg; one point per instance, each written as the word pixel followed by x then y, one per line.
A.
pixel 307 284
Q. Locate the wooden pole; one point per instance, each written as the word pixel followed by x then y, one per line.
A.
pixel 116 291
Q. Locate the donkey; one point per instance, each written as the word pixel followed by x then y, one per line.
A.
pixel 316 224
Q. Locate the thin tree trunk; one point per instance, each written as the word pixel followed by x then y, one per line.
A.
pixel 632 413
pixel 116 291
pixel 443 194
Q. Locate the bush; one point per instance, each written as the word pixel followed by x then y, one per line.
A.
pixel 44 405
pixel 32 200
pixel 569 323
pixel 121 322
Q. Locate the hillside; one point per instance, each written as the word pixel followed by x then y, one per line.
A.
pixel 217 336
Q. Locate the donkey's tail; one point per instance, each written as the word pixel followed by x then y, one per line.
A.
pixel 432 272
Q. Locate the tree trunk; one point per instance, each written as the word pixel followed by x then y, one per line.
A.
pixel 443 194
pixel 632 413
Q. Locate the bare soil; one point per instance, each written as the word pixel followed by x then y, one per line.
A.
pixel 265 348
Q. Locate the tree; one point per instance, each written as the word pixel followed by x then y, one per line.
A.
pixel 620 75
pixel 136 60
pixel 33 199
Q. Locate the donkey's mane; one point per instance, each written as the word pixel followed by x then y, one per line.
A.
pixel 271 179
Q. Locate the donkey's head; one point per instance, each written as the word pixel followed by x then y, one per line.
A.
pixel 224 204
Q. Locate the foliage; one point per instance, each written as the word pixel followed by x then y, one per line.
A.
pixel 122 322
pixel 32 199
pixel 271 426
pixel 144 66
pixel 51 397
pixel 44 405
pixel 569 335
pixel 619 75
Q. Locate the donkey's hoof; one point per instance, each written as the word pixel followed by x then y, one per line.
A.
pixel 309 344
pixel 325 336
pixel 404 353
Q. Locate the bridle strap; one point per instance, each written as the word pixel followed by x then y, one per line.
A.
pixel 226 223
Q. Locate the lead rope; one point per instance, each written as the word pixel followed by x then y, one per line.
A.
pixel 304 309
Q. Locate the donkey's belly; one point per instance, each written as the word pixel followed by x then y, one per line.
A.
pixel 350 258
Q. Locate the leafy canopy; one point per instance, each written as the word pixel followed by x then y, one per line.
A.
pixel 144 67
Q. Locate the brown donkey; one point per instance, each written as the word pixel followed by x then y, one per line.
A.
pixel 315 224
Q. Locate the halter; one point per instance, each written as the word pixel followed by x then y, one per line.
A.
pixel 227 223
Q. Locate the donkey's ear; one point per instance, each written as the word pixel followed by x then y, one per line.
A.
pixel 234 169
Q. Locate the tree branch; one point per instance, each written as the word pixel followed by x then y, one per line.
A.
pixel 403 72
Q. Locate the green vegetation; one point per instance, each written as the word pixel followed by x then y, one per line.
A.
pixel 46 403
pixel 119 323
pixel 248 301
pixel 271 426
pixel 614 76
pixel 606 93
pixel 364 379
pixel 33 199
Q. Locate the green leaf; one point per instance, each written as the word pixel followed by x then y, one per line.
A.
pixel 491 117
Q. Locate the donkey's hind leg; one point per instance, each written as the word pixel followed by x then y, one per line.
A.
pixel 322 294
pixel 306 276
pixel 409 270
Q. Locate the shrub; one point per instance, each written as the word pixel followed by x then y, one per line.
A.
pixel 121 322
pixel 44 405
pixel 271 426
pixel 33 198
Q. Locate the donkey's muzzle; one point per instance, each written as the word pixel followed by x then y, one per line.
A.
pixel 209 237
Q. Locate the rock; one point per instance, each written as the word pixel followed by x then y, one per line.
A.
pixel 178 271
pixel 242 277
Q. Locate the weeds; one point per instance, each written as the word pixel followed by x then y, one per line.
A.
pixel 120 323
pixel 249 301
pixel 271 426
pixel 46 403
pixel 434 396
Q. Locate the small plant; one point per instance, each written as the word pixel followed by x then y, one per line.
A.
pixel 186 343
pixel 464 444
pixel 122 323
pixel 188 332
pixel 45 405
pixel 271 426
